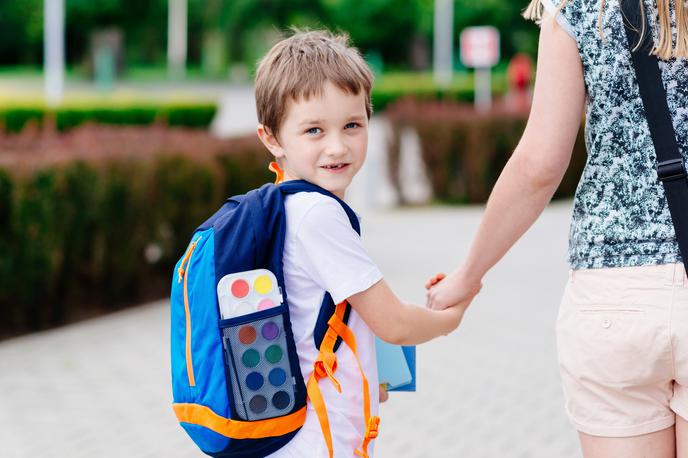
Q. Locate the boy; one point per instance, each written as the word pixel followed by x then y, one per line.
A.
pixel 313 104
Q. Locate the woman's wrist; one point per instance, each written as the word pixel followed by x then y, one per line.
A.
pixel 471 275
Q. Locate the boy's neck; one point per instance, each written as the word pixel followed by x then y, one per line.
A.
pixel 336 193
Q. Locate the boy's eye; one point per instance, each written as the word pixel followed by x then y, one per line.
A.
pixel 352 125
pixel 313 131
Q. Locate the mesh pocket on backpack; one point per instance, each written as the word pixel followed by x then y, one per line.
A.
pixel 258 361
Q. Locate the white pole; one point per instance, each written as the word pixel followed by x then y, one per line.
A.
pixel 443 49
pixel 483 89
pixel 54 54
pixel 176 38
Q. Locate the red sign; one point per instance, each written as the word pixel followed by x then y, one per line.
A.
pixel 480 47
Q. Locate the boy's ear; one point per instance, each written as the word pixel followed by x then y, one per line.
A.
pixel 270 141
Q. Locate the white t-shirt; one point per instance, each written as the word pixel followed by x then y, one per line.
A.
pixel 322 252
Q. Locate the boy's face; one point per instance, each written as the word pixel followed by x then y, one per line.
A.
pixel 322 140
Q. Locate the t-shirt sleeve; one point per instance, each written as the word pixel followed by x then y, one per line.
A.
pixel 332 253
pixel 552 9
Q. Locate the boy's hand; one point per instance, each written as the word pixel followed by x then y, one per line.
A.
pixel 435 280
pixel 457 289
pixel 384 395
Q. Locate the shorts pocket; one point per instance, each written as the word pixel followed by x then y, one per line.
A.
pixel 610 344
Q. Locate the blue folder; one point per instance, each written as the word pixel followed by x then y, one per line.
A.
pixel 396 366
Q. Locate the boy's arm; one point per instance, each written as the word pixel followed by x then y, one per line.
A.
pixel 398 323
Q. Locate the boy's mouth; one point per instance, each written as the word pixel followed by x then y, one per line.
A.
pixel 335 167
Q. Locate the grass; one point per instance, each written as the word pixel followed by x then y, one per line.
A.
pixel 423 81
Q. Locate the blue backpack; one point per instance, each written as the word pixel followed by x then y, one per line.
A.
pixel 237 385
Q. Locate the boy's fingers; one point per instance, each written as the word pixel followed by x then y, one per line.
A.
pixel 435 280
pixel 384 395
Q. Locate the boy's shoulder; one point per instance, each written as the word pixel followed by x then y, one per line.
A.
pixel 313 204
pixel 314 208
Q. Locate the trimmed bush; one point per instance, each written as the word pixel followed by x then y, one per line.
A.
pixel 464 151
pixel 14 119
pixel 392 87
pixel 68 118
pixel 81 238
pixel 190 116
pixel 383 98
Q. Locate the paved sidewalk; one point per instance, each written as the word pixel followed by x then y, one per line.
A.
pixel 101 388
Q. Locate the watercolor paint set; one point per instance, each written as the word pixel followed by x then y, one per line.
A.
pixel 255 342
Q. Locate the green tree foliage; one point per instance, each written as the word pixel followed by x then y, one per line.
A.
pixel 517 34
pixel 144 24
pixel 387 26
pixel 21 31
pixel 384 27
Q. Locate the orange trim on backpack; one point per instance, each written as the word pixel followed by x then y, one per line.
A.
pixel 279 173
pixel 184 273
pixel 196 414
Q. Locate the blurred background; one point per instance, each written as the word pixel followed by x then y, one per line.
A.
pixel 125 123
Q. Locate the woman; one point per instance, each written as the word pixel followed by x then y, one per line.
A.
pixel 622 330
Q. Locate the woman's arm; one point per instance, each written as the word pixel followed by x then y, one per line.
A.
pixel 533 172
pixel 398 323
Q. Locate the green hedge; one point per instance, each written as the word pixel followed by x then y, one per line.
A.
pixel 464 152
pixel 383 98
pixel 391 87
pixel 85 238
pixel 14 119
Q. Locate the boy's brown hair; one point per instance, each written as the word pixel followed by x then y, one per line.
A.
pixel 300 65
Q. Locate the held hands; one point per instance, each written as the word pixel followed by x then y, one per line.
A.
pixel 456 290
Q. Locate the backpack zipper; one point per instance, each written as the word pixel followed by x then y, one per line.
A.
pixel 184 274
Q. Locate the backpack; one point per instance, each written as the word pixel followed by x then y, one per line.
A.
pixel 237 385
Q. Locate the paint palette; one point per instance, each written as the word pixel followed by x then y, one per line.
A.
pixel 261 378
pixel 256 345
pixel 247 292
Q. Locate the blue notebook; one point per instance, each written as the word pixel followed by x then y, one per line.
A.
pixel 396 366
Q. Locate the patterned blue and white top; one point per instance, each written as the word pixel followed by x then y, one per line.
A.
pixel 620 214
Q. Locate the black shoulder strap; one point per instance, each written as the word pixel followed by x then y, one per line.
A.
pixel 670 166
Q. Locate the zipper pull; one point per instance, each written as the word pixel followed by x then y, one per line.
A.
pixel 181 271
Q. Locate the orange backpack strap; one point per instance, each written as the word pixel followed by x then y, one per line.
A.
pixel 325 366
pixel 371 423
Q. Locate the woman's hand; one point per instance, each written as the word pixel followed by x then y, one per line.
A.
pixel 456 290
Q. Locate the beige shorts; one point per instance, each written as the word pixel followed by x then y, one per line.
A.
pixel 622 337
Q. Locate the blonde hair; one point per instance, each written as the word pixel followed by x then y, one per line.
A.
pixel 298 67
pixel 665 47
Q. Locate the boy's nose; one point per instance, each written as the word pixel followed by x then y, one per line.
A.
pixel 335 147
